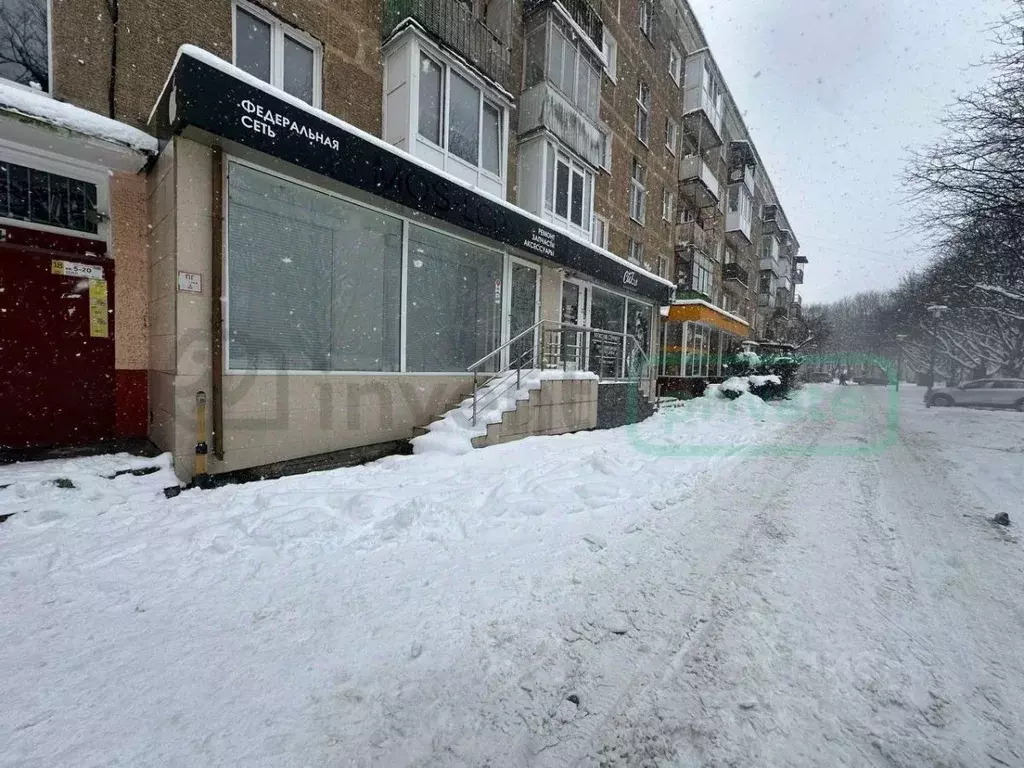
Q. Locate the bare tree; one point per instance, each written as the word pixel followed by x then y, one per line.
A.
pixel 24 54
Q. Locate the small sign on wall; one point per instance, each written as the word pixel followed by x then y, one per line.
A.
pixel 99 321
pixel 76 269
pixel 190 282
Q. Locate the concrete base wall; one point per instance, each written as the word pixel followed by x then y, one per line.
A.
pixel 556 408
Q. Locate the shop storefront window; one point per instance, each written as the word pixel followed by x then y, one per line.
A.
pixel 314 282
pixel 607 313
pixel 454 301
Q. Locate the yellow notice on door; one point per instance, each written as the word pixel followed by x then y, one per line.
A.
pixel 99 321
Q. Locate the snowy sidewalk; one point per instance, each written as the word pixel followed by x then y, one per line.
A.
pixel 691 590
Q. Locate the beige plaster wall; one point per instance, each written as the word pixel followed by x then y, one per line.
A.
pixel 558 407
pixel 130 244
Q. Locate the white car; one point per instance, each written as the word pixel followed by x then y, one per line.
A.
pixel 991 393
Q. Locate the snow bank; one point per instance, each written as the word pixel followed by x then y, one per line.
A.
pixel 420 610
pixel 41 106
pixel 453 433
pixel 760 381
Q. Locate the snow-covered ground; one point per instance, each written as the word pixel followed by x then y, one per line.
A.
pixel 730 583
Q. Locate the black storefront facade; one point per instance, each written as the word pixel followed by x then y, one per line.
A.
pixel 330 290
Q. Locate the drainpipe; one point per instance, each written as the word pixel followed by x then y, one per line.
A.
pixel 114 10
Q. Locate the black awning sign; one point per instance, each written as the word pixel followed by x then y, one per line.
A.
pixel 223 102
pixel 266 121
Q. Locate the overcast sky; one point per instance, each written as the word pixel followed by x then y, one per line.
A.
pixel 834 93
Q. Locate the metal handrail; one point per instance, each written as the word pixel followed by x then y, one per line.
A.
pixel 509 343
pixel 538 353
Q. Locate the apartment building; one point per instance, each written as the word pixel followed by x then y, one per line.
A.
pixel 318 215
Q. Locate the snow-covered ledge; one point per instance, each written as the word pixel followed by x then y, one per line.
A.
pixel 35 119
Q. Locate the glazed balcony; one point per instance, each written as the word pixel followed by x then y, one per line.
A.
pixel 702 101
pixel 698 182
pixel 798 276
pixel 694 237
pixel 545 106
pixel 739 216
pixel 586 14
pixel 456 26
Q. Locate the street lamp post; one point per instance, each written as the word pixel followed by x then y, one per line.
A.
pixel 936 311
pixel 899 358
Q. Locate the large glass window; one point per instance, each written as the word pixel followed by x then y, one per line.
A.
pixel 701 274
pixel 314 282
pixel 607 313
pixel 573 73
pixel 454 301
pixel 431 95
pixel 464 120
pixel 457 117
pixel 24 43
pixel 276 53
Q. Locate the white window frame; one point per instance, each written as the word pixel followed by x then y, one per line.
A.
pixel 638 192
pixel 407 221
pixel 643 108
pixel 609 142
pixel 447 70
pixel 668 203
pixel 610 48
pixel 49 59
pixel 706 271
pixel 671 136
pixel 552 149
pixel 665 266
pixel 580 59
pixel 635 252
pixel 675 64
pixel 646 12
pixel 278 31
pixel 52 162
pixel 602 241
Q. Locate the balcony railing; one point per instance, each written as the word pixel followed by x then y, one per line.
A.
pixel 458 28
pixel 698 182
pixel 736 273
pixel 586 14
pixel 692 234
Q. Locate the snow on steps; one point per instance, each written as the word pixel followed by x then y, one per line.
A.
pixel 568 403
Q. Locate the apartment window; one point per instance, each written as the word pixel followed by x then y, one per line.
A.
pixel 643 111
pixel 568 190
pixel 46 198
pixel 665 266
pixel 572 72
pixel 636 251
pixel 700 274
pixel 638 192
pixel 646 12
pixel 611 54
pixel 455 115
pixel 730 256
pixel 600 235
pixel 24 43
pixel 278 54
pixel 668 204
pixel 671 135
pixel 675 64
pixel 765 283
pixel 606 154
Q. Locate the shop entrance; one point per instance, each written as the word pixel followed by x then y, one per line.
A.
pixel 608 316
pixel 57 345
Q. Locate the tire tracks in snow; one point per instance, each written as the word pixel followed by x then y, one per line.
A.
pixel 609 735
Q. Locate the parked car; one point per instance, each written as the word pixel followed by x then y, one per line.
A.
pixel 992 393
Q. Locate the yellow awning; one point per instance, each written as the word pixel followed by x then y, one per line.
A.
pixel 701 312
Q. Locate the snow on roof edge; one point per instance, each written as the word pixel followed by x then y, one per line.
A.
pixel 43 107
pixel 215 61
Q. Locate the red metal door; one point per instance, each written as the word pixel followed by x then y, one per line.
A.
pixel 56 346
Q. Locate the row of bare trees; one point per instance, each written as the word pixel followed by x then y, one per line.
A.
pixel 969 190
